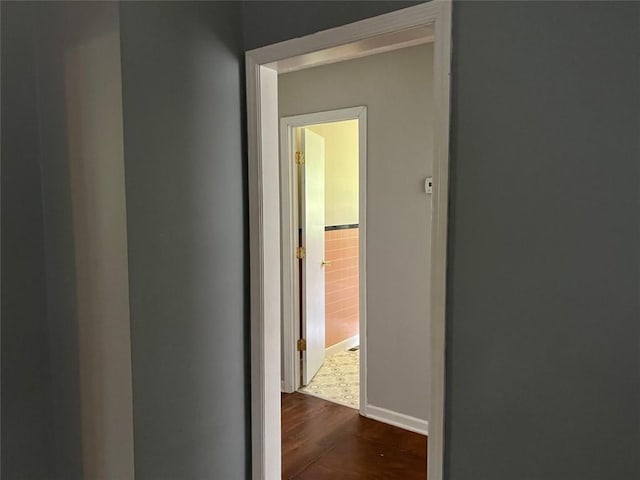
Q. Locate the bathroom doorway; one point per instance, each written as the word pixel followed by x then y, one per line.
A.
pixel 323 313
pixel 328 335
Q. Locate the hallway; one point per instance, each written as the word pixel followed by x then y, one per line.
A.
pixel 324 440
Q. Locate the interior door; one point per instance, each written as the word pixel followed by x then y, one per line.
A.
pixel 312 221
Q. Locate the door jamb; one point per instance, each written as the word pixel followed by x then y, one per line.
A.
pixel 289 228
pixel 373 35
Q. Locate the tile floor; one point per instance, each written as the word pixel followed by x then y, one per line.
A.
pixel 338 380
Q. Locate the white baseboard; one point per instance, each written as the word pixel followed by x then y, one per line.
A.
pixel 343 345
pixel 396 419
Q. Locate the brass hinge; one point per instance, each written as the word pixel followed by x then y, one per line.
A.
pixel 302 345
pixel 299 158
pixel 300 252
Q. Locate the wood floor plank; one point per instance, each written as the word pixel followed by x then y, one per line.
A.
pixel 403 440
pixel 353 458
pixel 310 427
pixel 323 440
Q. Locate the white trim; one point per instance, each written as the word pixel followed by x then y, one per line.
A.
pixel 264 240
pixel 290 283
pixel 289 228
pixel 396 419
pixel 439 224
pixel 343 346
pixel 362 257
pixel 365 47
pixel 354 40
pixel 264 212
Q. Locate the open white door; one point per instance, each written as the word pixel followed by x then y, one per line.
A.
pixel 312 222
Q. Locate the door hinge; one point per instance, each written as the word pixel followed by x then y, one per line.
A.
pixel 302 345
pixel 300 253
pixel 299 158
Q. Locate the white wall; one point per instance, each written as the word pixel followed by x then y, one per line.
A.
pixel 397 89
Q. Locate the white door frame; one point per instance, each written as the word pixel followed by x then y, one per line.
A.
pixel 419 24
pixel 289 234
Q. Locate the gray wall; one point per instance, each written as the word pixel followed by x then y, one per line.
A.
pixel 398 94
pixel 542 344
pixel 27 433
pixel 267 22
pixel 543 293
pixel 62 28
pixel 41 359
pixel 186 198
pixel 543 364
pixel 186 209
pixel 93 82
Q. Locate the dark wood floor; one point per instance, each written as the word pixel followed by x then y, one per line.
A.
pixel 323 440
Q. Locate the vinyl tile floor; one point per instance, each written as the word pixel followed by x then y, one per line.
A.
pixel 338 380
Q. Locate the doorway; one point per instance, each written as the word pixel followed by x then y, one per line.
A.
pixel 323 166
pixel 430 22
